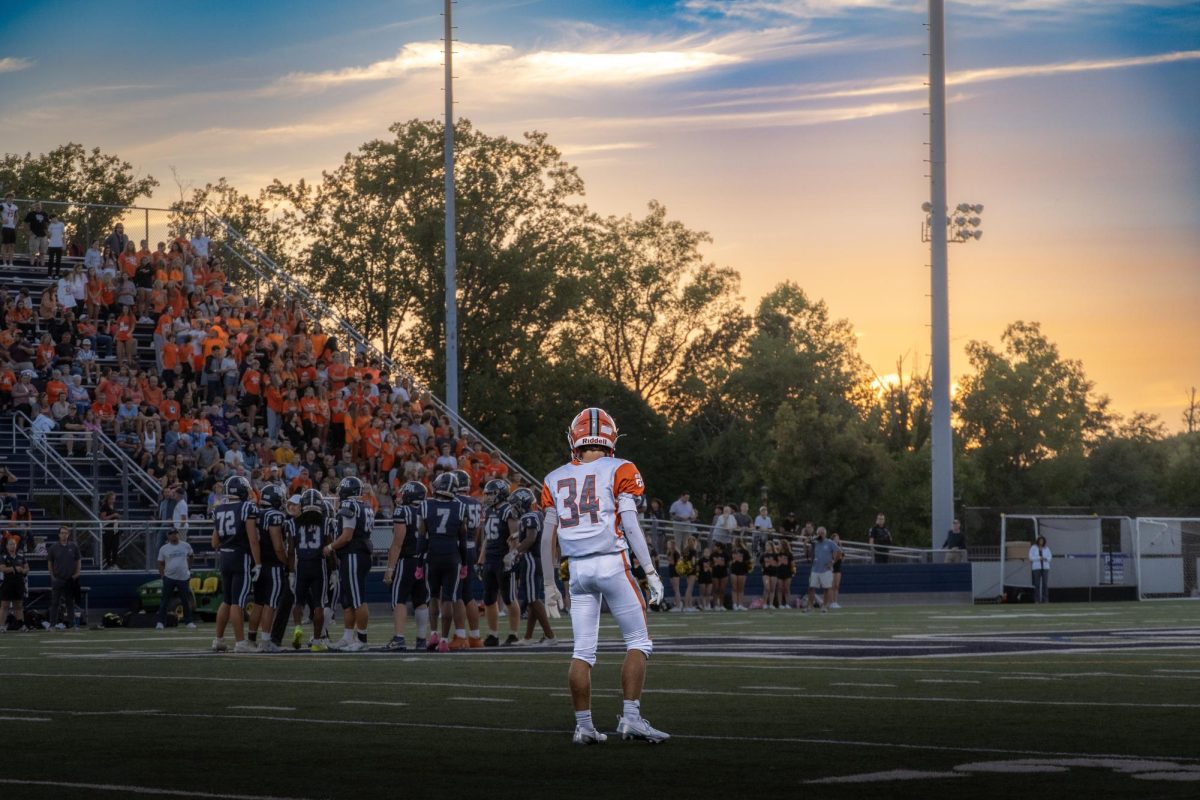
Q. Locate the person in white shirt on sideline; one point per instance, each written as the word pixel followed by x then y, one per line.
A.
pixel 1039 564
pixel 175 569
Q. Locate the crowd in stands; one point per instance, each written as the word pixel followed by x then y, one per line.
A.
pixel 238 384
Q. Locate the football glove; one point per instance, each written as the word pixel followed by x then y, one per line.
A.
pixel 292 582
pixel 462 572
pixel 554 601
pixel 510 558
pixel 255 571
pixel 334 578
pixel 419 573
pixel 656 588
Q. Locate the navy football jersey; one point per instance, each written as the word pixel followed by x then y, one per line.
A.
pixel 407 516
pixel 360 516
pixel 495 531
pixel 267 518
pixel 474 520
pixel 531 520
pixel 230 522
pixel 445 525
pixel 310 537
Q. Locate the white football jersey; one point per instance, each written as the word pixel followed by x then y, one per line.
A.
pixel 586 498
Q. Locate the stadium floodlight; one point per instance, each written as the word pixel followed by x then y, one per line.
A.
pixel 959 228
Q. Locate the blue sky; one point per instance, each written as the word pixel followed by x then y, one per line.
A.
pixel 791 130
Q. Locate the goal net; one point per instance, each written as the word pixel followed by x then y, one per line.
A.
pixel 1167 553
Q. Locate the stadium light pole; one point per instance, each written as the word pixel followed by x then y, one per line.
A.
pixel 939 230
pixel 451 249
pixel 942 453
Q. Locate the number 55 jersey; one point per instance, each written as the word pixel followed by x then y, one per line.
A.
pixel 587 499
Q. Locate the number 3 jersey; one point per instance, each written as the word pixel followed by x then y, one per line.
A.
pixel 586 498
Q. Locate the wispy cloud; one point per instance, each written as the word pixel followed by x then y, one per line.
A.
pixel 826 9
pixel 13 64
pixel 545 67
pixel 591 149
pixel 917 83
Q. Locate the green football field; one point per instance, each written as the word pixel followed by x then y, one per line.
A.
pixel 1098 700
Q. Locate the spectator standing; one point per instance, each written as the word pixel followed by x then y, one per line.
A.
pixel 8 229
pixel 686 567
pixel 745 523
pixel 821 577
pixel 1039 564
pixel 200 244
pixel 720 575
pixel 838 559
pixel 785 570
pixel 64 563
pixel 740 565
pixel 110 537
pixel 13 572
pixel 724 526
pixel 955 544
pixel 175 570
pixel 37 227
pixel 682 511
pixel 768 564
pixel 117 240
pixel 789 524
pixel 762 526
pixel 880 539
pixel 672 556
pixel 655 516
pixel 704 578
pixel 57 234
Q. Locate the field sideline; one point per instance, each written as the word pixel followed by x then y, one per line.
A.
pixel 931 702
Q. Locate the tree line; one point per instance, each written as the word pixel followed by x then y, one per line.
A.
pixel 561 307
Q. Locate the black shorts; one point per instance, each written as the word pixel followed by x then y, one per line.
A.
pixel 12 590
pixel 441 577
pixel 8 235
pixel 498 583
pixel 705 578
pixel 353 569
pixel 720 573
pixel 468 589
pixel 235 577
pixel 312 583
pixel 269 587
pixel 739 570
pixel 529 572
pixel 837 566
pixel 405 586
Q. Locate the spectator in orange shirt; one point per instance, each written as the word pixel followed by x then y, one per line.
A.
pixel 301 482
pixel 123 334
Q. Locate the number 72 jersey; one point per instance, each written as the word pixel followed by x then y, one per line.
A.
pixel 586 498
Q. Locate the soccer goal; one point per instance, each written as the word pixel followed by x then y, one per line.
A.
pixel 1167 557
pixel 1093 555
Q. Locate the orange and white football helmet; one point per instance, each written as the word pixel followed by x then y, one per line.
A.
pixel 592 426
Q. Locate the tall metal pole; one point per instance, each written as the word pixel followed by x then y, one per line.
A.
pixel 451 250
pixel 942 454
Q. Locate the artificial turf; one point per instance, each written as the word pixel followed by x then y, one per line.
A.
pixel 757 702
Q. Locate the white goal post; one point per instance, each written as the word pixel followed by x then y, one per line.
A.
pixel 1167 557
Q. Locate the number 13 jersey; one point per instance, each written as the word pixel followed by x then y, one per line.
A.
pixel 586 498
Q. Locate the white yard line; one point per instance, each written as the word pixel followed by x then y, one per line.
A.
pixel 566 731
pixel 25 719
pixel 262 708
pixel 881 685
pixel 482 699
pixel 150 790
pixel 370 703
pixel 943 680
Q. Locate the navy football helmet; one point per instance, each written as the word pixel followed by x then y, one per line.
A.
pixel 272 496
pixel 462 481
pixel 350 487
pixel 496 491
pixel 412 493
pixel 237 486
pixel 522 500
pixel 444 485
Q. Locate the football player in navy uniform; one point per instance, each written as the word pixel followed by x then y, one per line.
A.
pixel 499 577
pixel 529 566
pixel 467 601
pixel 268 589
pixel 405 572
pixel 333 596
pixel 312 567
pixel 353 549
pixel 235 538
pixel 443 522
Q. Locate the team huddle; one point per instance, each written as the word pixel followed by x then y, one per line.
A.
pixel 305 552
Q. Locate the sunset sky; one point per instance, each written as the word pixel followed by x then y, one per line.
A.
pixel 791 130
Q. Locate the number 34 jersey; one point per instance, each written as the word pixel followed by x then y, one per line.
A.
pixel 586 498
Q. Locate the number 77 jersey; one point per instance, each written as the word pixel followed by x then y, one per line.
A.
pixel 587 499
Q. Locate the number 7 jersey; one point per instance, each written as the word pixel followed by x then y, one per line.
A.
pixel 586 498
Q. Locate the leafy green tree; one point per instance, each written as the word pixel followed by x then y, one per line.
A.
pixel 72 174
pixel 1027 418
pixel 656 310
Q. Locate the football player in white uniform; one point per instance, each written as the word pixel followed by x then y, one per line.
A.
pixel 591 512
